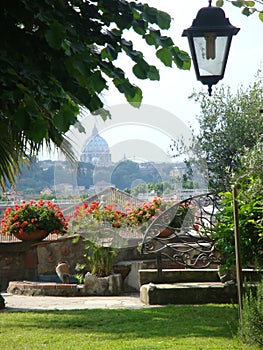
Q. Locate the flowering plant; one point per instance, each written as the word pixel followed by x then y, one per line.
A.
pixel 138 216
pixel 133 216
pixel 96 222
pixel 33 216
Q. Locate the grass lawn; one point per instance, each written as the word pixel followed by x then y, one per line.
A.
pixel 170 327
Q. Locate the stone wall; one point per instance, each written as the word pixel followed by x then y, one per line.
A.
pixel 34 261
pixel 14 262
pixel 27 261
pixel 67 250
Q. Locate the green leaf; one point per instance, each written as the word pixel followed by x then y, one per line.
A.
pixel 153 73
pixel 79 127
pixel 260 15
pixel 103 113
pixel 248 11
pixel 22 87
pixel 152 37
pixel 136 14
pixel 220 3
pixel 124 86
pixel 181 58
pixel 109 52
pixel 20 117
pixel 126 43
pixel 38 129
pixel 238 3
pixel 95 103
pixel 134 55
pixel 165 41
pixel 150 13
pixel 136 100
pixel 163 20
pixel 132 93
pixel 66 46
pixel 165 56
pixel 55 35
pixel 96 82
pixel 249 3
pixel 79 66
pixel 139 27
pixel 140 69
pixel 66 116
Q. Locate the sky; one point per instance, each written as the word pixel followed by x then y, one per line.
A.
pixel 175 86
pixel 167 112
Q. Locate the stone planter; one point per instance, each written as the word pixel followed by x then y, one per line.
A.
pixel 110 285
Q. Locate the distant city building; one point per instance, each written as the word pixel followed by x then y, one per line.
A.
pixel 96 150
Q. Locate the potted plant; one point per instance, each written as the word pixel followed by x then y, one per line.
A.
pixel 99 226
pixel 173 220
pixel 96 225
pixel 33 220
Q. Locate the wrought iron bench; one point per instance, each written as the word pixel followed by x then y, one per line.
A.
pixel 183 233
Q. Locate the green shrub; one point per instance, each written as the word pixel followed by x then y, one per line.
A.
pixel 250 215
pixel 100 258
pixel 251 329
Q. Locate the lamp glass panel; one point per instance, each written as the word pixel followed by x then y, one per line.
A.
pixel 207 65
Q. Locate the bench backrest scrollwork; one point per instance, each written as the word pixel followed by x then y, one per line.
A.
pixel 183 233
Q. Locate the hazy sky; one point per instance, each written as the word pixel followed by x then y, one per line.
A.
pixel 165 102
pixel 172 91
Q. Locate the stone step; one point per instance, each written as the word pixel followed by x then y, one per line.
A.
pixel 178 275
pixel 191 275
pixel 188 293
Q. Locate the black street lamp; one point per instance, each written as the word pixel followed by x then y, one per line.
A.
pixel 209 39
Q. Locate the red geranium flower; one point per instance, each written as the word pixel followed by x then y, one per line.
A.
pixel 32 216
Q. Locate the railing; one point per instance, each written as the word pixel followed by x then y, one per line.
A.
pixel 184 233
pixel 12 238
pixel 109 195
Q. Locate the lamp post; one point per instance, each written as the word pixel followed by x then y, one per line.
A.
pixel 209 39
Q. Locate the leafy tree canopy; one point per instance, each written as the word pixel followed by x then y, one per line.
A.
pixel 230 126
pixel 251 171
pixel 247 7
pixel 57 57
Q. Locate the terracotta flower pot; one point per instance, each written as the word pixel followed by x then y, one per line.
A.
pixel 165 233
pixel 32 236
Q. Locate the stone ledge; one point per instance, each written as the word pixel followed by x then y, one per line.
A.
pixel 178 275
pixel 112 284
pixel 44 288
pixel 191 275
pixel 188 293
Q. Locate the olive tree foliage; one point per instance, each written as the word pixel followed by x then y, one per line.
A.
pixel 230 126
pixel 251 170
pixel 247 7
pixel 57 57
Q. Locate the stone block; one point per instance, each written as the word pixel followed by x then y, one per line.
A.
pixel 178 275
pixel 187 293
pixel 110 285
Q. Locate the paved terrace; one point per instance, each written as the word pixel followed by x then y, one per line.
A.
pixel 31 303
